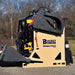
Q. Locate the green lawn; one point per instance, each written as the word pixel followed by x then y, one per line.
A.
pixel 72 46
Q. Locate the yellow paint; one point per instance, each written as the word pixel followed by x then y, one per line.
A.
pixel 29 46
pixel 29 21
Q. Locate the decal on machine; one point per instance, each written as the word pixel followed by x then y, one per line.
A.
pixel 49 43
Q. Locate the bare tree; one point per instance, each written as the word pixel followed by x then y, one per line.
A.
pixel 12 10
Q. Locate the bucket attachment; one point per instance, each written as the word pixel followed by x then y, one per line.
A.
pixel 49 22
pixel 10 55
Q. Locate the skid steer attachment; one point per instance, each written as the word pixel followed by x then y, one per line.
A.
pixel 40 41
pixel 9 55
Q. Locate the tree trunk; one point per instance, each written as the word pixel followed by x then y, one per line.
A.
pixel 11 20
pixel 11 30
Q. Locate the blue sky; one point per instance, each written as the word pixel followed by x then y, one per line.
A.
pixel 58 3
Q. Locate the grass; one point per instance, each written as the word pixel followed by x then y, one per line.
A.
pixel 71 43
pixel 72 46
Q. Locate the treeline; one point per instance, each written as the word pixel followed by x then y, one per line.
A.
pixel 12 10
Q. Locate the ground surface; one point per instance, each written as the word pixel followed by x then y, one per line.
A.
pixel 69 70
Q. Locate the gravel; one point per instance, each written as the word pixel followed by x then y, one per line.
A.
pixel 68 70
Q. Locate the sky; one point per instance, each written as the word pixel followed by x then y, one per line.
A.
pixel 58 5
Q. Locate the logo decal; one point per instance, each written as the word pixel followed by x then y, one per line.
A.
pixel 49 43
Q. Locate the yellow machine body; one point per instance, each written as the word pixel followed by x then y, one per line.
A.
pixel 51 53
